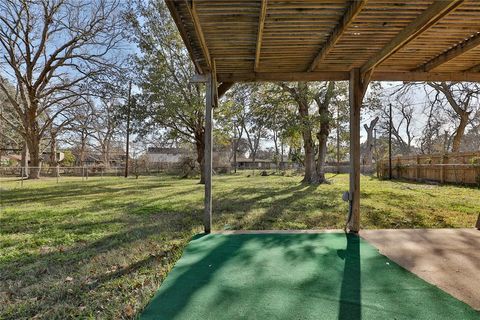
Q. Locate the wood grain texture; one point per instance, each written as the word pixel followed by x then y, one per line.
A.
pixel 260 40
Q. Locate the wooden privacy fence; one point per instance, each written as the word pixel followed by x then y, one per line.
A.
pixel 455 168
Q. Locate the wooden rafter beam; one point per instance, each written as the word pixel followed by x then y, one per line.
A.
pixel 183 32
pixel 191 8
pixel 282 76
pixel 474 69
pixel 347 19
pixel 472 43
pixel 426 76
pixel 343 76
pixel 427 19
pixel 261 25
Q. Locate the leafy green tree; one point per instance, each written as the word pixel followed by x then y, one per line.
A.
pixel 169 102
pixel 69 159
pixel 311 120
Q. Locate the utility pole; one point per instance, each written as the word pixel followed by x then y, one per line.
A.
pixel 128 129
pixel 445 142
pixel 390 144
pixel 338 139
pixel 1 133
pixel 24 162
pixel 235 142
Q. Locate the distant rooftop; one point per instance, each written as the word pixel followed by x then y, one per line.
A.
pixel 166 150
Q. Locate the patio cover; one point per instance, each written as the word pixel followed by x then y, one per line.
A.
pixel 280 40
pixel 311 40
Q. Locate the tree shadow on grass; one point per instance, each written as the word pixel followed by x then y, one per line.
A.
pixel 287 206
pixel 64 192
pixel 142 242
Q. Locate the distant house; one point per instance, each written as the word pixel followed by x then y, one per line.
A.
pixel 95 160
pixel 168 158
pixel 266 164
pixel 164 158
pixel 11 160
pixel 14 160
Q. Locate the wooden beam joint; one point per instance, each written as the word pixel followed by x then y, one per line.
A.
pixel 347 19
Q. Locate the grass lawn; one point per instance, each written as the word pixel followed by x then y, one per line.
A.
pixel 101 248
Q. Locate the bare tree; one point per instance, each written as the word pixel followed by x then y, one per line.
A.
pixel 370 129
pixel 81 129
pixel 9 137
pixel 429 139
pixel 403 129
pixel 106 126
pixel 459 97
pixel 50 49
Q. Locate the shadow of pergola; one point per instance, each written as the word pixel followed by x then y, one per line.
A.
pixel 294 276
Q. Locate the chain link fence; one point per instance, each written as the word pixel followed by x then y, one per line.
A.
pixel 21 174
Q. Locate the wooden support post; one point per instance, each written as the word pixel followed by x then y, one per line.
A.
pixel 357 90
pixel 390 125
pixel 127 144
pixel 399 168
pixel 211 102
pixel 417 169
pixel 443 169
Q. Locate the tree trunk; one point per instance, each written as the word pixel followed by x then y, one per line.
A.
pixel 322 137
pixel 82 155
pixel 33 141
pixel 460 109
pixel 310 172
pixel 457 139
pixel 369 153
pixel 200 146
pixel 106 155
pixel 24 161
pixel 277 153
pixel 300 95
pixel 83 145
pixel 35 159
pixel 53 150
pixel 324 131
pixel 281 155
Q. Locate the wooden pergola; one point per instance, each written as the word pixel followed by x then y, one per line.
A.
pixel 326 40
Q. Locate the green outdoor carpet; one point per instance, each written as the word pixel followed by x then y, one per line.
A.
pixel 295 276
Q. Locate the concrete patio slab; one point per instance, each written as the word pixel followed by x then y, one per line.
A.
pixel 447 258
